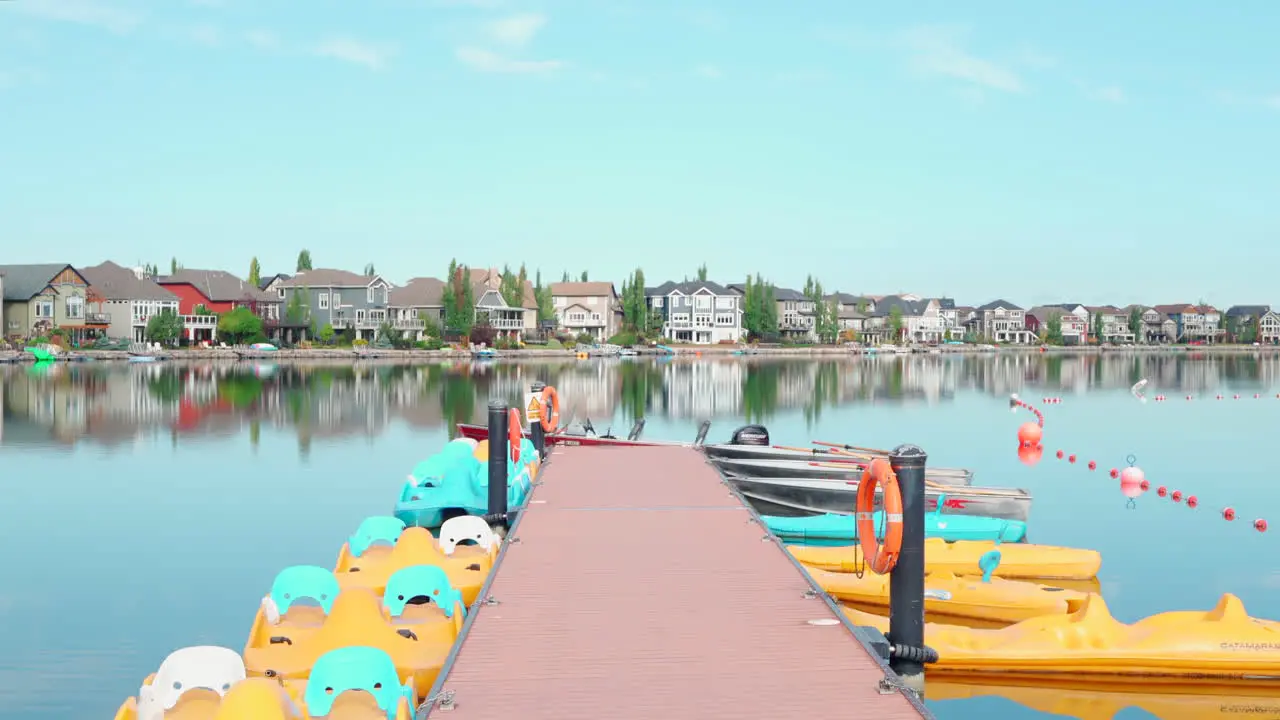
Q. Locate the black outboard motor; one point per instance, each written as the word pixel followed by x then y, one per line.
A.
pixel 750 435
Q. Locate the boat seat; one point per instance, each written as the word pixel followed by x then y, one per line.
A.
pixel 206 667
pixel 363 669
pixel 310 582
pixel 412 583
pixel 378 530
pixel 465 530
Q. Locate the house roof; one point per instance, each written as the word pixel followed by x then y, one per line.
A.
pixel 1104 309
pixel 999 304
pixel 418 292
pixel 582 289
pixel 688 288
pixel 218 286
pixel 1042 313
pixel 910 308
pixel 483 280
pixel 1248 310
pixel 327 277
pixel 23 282
pixel 1175 308
pixel 114 282
pixel 781 293
pixel 263 282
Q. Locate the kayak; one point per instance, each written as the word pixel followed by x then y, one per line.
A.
pixel 806 496
pixel 833 529
pixel 827 469
pixel 1083 699
pixel 948 595
pixel 1018 561
pixel 229 695
pixel 1195 647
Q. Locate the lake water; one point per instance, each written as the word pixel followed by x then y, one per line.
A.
pixel 148 507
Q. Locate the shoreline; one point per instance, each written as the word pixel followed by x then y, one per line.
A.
pixel 18 357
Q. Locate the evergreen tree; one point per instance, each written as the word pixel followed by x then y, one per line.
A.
pixel 304 260
pixel 542 293
pixel 255 272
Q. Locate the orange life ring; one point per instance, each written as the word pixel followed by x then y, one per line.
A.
pixel 881 557
pixel 549 416
pixel 515 435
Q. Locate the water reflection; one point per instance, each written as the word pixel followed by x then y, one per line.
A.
pixel 116 404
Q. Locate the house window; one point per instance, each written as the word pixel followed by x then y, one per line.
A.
pixel 44 308
pixel 337 299
pixel 281 292
pixel 657 302
pixel 324 301
pixel 75 307
pixel 595 317
pixel 359 316
pixel 702 302
pixel 369 294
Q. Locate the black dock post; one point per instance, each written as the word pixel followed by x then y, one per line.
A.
pixel 536 433
pixel 498 453
pixel 908 653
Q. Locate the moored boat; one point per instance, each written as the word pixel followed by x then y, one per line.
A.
pixel 807 496
pixel 832 469
pixel 831 529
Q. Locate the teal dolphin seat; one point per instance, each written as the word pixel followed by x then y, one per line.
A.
pixel 355 669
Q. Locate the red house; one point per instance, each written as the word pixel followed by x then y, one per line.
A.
pixel 204 293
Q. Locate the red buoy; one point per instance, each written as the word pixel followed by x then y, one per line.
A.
pixel 1176 496
pixel 1260 525
pixel 1071 458
pixel 1059 453
pixel 1093 465
pixel 1162 491
pixel 1192 501
pixel 1228 513
pixel 1115 473
pixel 1030 434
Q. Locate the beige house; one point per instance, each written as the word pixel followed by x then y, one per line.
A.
pixel 40 298
pixel 129 299
pixel 415 304
pixel 590 308
pixel 510 321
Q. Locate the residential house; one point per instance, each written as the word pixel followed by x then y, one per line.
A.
pixel 1109 324
pixel 1157 327
pixel 920 321
pixel 796 312
pixel 1000 321
pixel 1269 328
pixel 41 298
pixel 950 315
pixel 416 305
pixel 1073 324
pixel 129 299
pixel 202 294
pixel 340 299
pixel 271 284
pixel 856 317
pixel 509 320
pixel 699 312
pixel 1193 323
pixel 587 308
pixel 1242 322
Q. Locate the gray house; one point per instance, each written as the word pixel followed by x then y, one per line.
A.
pixel 699 312
pixel 341 299
pixel 129 299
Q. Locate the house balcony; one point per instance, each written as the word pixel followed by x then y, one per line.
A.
pixel 680 324
pixel 506 324
pixel 341 321
pixel 200 321
pixel 97 318
pixel 409 324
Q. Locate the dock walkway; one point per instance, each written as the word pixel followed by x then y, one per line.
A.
pixel 638 585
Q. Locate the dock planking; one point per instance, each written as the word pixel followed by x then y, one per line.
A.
pixel 638 585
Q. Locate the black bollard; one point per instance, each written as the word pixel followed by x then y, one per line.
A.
pixel 908 653
pixel 498 453
pixel 536 433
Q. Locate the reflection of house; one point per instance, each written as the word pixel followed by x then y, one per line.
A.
pixel 40 298
pixel 703 389
pixel 590 308
pixel 204 293
pixel 340 299
pixel 593 387
pixel 130 299
pixel 416 303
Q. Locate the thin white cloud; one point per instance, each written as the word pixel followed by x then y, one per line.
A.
pixel 262 39
pixel 1111 94
pixel 938 51
pixel 79 12
pixel 516 30
pixel 356 52
pixel 708 72
pixel 488 61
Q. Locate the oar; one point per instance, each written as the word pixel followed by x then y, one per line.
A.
pixel 842 446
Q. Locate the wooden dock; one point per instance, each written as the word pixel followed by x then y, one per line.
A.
pixel 637 584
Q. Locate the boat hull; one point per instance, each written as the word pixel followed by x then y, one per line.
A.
pixel 808 496
pixel 819 469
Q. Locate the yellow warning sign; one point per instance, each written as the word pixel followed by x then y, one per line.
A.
pixel 532 408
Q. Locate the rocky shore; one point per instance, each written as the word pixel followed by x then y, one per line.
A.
pixel 348 354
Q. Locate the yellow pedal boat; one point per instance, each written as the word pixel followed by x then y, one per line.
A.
pixel 1219 646
pixel 1021 561
pixel 946 595
pixel 1086 701
pixel 467 565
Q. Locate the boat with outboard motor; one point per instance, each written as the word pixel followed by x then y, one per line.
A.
pixel 584 433
pixel 805 496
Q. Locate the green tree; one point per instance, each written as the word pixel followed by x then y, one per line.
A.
pixel 298 309
pixel 583 278
pixel 174 266
pixel 509 288
pixel 1096 323
pixel 459 300
pixel 369 270
pixel 1135 323
pixel 546 303
pixel 304 260
pixel 326 334
pixel 255 272
pixel 522 279
pixel 1053 329
pixel 165 327
pixel 702 272
pixel 759 308
pixel 895 323
pixel 240 325
pixel 564 277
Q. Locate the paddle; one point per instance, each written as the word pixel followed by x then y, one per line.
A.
pixel 842 446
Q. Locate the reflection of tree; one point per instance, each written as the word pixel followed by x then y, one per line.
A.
pixel 826 391
pixel 1053 370
pixel 456 392
pixel 242 390
pixel 760 390
pixel 639 383
pixel 166 387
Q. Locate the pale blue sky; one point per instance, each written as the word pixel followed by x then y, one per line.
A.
pixel 1090 151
